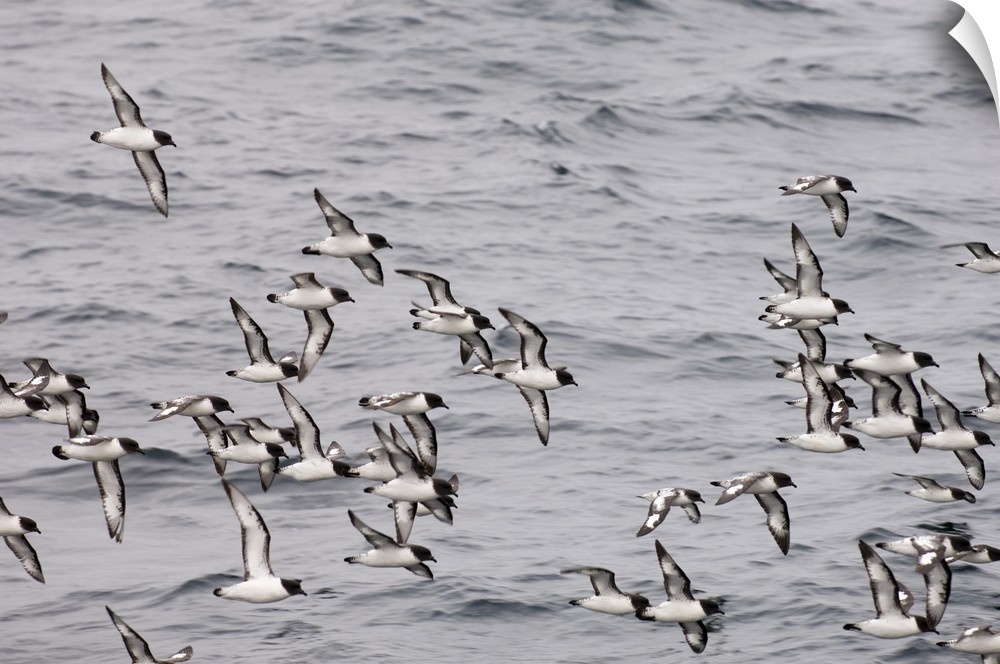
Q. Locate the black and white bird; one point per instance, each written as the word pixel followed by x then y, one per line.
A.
pixel 467 327
pixel 979 554
pixel 661 502
pixel 262 368
pixel 412 482
pixel 310 294
pixel 820 435
pixel 607 598
pixel 954 437
pixel 134 135
pixel 12 405
pixel 991 411
pixel 314 300
pixel 314 464
pixel 139 650
pixel 681 606
pixel 764 487
pixel 778 322
pixel 442 301
pixel 951 545
pixel 103 453
pixel 811 301
pixel 389 552
pixel 892 620
pixel 890 359
pixel 393 452
pixel 346 242
pixel 932 491
pixel 233 442
pixel 413 407
pixel 259 584
pixel 980 640
pixel 378 466
pixel 985 259
pixel 47 381
pixel 888 419
pixel 532 375
pixel 829 188
pixel 815 343
pixel 192 405
pixel 13 529
pixel 265 433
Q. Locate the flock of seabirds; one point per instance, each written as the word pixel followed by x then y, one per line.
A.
pixel 405 474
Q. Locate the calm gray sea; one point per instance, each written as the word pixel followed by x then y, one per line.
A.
pixel 610 171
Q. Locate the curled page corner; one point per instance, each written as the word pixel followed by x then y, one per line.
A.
pixel 979 34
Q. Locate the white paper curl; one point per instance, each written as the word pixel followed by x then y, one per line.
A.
pixel 979 34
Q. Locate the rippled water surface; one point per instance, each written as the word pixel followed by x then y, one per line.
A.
pixel 609 170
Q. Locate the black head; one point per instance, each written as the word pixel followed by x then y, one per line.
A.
pixel 844 183
pixel 340 295
pixel 76 381
pixel 29 525
pixel 441 487
pixel 310 250
pixel 842 307
pixel 481 322
pixel 564 377
pixel 924 360
pixel 782 479
pixel 982 438
pixel 130 445
pixel 217 592
pixel 220 404
pixel 378 241
pixel 344 470
pixel 852 442
pixel 275 450
pixel 422 553
pixel 842 371
pixel 434 400
pixel 992 552
pixel 694 496
pixel 711 606
pixel 922 425
pixel 288 370
pixel 163 138
pixel 958 494
pixel 292 586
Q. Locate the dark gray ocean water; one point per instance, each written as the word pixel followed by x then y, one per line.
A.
pixel 610 171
